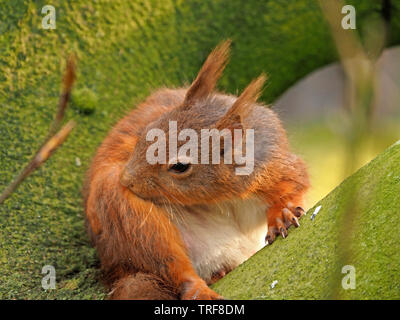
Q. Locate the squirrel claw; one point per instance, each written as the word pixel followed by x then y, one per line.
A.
pixel 299 211
pixel 270 238
pixel 282 221
pixel 295 222
pixel 283 232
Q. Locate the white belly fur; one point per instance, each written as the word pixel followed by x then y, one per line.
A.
pixel 220 237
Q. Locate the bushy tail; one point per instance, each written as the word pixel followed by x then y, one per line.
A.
pixel 142 286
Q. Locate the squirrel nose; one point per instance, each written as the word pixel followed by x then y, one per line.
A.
pixel 126 178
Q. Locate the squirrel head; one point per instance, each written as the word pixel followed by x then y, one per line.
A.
pixel 171 162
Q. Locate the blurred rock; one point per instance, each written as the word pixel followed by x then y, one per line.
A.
pixel 321 94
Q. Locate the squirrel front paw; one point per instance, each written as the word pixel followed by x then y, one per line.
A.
pixel 198 290
pixel 280 219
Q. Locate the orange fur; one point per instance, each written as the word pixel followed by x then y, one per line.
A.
pixel 209 74
pixel 243 104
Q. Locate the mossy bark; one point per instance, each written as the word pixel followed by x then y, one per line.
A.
pixel 306 263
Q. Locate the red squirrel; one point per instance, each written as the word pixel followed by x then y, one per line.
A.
pixel 167 231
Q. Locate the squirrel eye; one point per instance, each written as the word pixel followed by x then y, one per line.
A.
pixel 180 167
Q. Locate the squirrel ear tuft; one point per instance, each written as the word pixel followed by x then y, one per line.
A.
pixel 209 74
pixel 241 107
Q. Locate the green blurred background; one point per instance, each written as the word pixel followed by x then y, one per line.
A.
pixel 125 49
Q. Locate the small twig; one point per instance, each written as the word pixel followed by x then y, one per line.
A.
pixel 53 140
pixel 359 69
pixel 68 81
pixel 41 156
